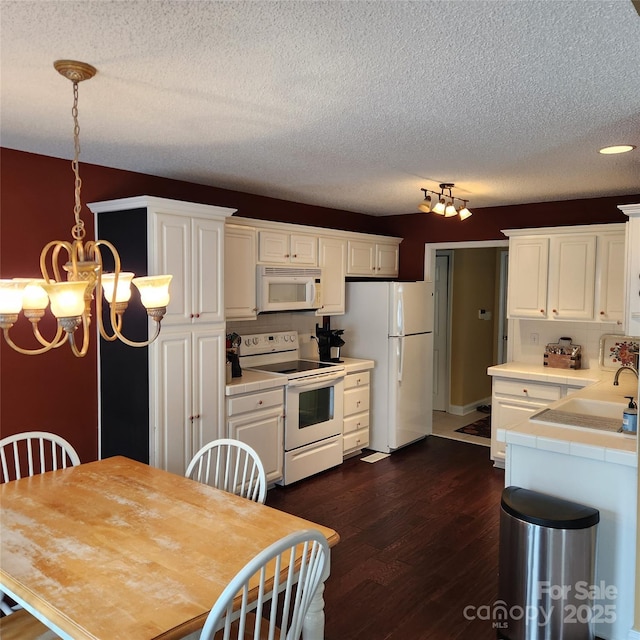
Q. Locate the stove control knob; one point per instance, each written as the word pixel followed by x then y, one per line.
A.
pixel 256 340
pixel 286 338
pixel 247 341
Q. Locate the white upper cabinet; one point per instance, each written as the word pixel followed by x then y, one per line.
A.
pixel 528 267
pixel 610 278
pixel 240 272
pixel 572 276
pixel 332 255
pixel 192 250
pixel 387 259
pixel 370 258
pixel 567 273
pixel 287 248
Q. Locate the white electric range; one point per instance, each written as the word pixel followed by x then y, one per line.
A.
pixel 313 401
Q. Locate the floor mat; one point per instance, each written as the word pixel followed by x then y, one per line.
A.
pixel 374 457
pixel 480 428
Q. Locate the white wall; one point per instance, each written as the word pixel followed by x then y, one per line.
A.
pixel 583 333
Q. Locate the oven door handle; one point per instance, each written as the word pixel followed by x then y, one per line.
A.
pixel 313 381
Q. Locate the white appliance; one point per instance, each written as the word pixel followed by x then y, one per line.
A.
pixel 288 288
pixel 392 324
pixel 313 402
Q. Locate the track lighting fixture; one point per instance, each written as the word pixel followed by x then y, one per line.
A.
pixel 442 208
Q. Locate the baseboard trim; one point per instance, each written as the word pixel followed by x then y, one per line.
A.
pixel 463 410
pixel 633 635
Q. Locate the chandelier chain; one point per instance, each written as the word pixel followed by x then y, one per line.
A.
pixel 78 230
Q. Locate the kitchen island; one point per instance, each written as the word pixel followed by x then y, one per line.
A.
pixel 592 467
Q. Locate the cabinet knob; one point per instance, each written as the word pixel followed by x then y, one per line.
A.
pixel 197 416
pixel 358 403
pixel 602 313
pixel 358 425
pixel 524 391
pixel 259 402
pixel 286 255
pixel 554 310
pixel 295 255
pixel 541 310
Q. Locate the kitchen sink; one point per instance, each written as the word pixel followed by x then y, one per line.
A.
pixel 584 413
pixel 591 407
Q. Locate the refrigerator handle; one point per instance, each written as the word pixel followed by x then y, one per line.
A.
pixel 400 358
pixel 400 314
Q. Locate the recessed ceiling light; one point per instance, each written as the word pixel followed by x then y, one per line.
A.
pixel 617 148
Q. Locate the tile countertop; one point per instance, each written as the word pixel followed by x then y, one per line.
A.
pixel 587 443
pixel 352 365
pixel 252 381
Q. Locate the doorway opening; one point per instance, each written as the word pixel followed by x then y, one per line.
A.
pixel 470 332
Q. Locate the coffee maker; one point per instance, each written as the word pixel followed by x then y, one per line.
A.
pixel 329 343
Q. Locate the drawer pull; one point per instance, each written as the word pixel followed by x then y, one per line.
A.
pixel 259 402
pixel 524 391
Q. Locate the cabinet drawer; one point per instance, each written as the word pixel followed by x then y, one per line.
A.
pixel 356 440
pixel 527 389
pixel 358 421
pixel 356 400
pixel 254 402
pixel 356 379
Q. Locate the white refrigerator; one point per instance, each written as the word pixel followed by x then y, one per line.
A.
pixel 391 323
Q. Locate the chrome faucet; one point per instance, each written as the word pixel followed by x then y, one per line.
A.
pixel 628 367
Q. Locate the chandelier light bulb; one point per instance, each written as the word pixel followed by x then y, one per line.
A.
pixel 123 291
pixel 11 296
pixel 34 297
pixel 67 298
pixel 154 291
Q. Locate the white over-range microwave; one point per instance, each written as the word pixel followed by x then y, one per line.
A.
pixel 289 288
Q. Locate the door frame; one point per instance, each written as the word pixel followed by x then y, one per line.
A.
pixel 430 249
pixel 448 253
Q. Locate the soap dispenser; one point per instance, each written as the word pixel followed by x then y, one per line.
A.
pixel 630 417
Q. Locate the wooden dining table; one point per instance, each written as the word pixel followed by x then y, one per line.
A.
pixel 116 549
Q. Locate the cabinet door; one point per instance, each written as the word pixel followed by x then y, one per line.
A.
pixel 610 278
pixel 528 267
pixel 505 414
pixel 207 246
pixel 304 249
pixel 173 242
pixel 273 246
pixel 209 356
pixel 333 262
pixel 263 431
pixel 240 273
pixel 361 258
pixel 387 258
pixel 572 273
pixel 171 401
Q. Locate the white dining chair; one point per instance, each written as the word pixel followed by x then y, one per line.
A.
pixel 283 603
pixel 24 455
pixel 27 454
pixel 232 466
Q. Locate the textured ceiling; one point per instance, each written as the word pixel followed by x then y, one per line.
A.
pixel 353 105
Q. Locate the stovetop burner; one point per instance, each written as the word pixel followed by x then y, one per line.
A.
pixel 293 366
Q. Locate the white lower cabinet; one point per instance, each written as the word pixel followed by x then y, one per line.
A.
pixel 186 389
pixel 356 412
pixel 257 419
pixel 513 401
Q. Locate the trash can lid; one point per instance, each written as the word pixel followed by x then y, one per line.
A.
pixel 547 511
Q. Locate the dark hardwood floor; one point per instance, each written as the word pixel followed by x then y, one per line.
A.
pixel 419 541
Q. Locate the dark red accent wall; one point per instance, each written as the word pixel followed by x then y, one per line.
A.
pixel 485 224
pixel 58 392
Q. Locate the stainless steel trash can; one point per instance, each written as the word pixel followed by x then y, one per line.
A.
pixel 547 567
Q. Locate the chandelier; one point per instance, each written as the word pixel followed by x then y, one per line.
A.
pixel 71 297
pixel 440 206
